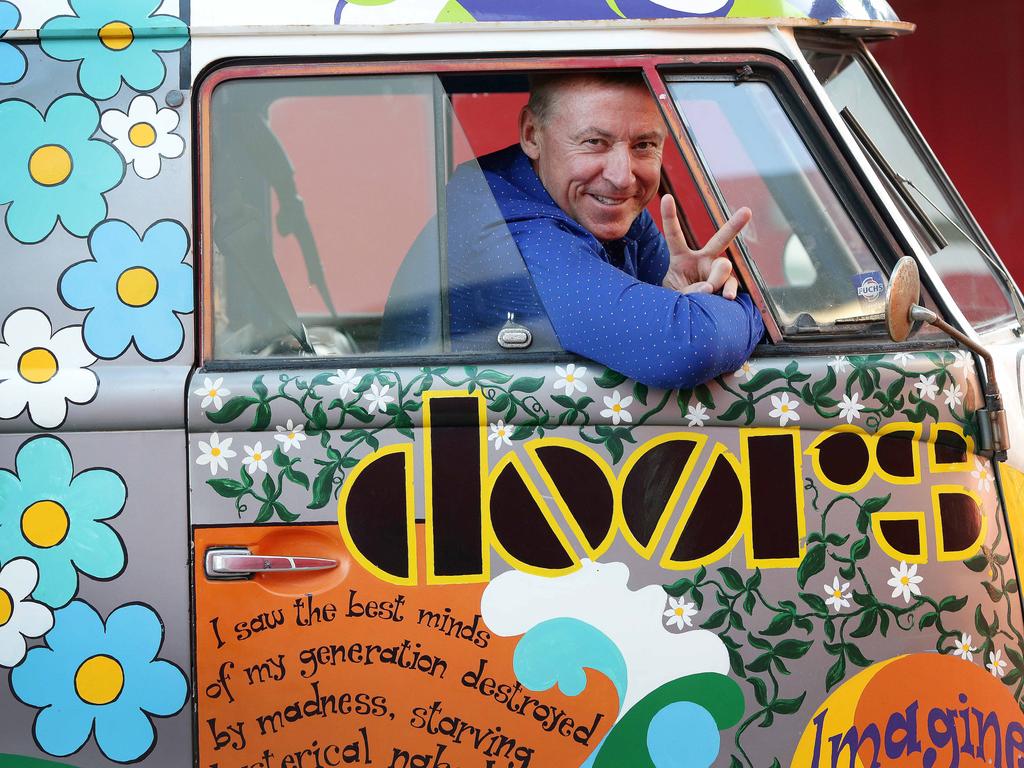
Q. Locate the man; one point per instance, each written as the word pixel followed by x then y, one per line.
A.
pixel 571 196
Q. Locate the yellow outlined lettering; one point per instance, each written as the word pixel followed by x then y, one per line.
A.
pixel 878 518
pixel 959 466
pixel 946 555
pixel 888 429
pixel 777 562
pixel 814 451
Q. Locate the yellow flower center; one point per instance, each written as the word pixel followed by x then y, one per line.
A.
pixel 6 607
pixel 838 594
pixel 679 611
pixel 904 580
pixel 291 435
pixel 569 377
pixel 616 407
pixel 501 432
pixel 116 35
pixel 215 451
pixel 784 408
pixel 99 680
pixel 45 524
pixel 212 393
pixel 142 135
pixel 257 457
pixel 37 365
pixel 136 287
pixel 50 165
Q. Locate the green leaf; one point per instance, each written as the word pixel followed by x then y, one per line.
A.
pixel 1012 677
pixel 732 578
pixel 853 654
pixel 860 549
pixel 994 593
pixel 1015 658
pixel 761 663
pixel 779 625
pixel 927 620
pixel 269 487
pixel 813 563
pixel 703 394
pixel 360 413
pixel 1011 587
pixel 735 660
pixel 563 400
pixel 734 762
pixel 737 409
pixel 867 624
pixel 372 441
pixel 978 563
pixel 640 392
pixel 282 512
pixel 824 386
pixel 280 459
pixel 788 706
pixel 322 487
pixel 347 462
pixel 489 374
pixel 232 409
pixel 760 691
pixel 983 627
pixel 766 719
pixel 754 581
pixel 526 384
pixel 830 630
pixel 775 763
pixel 748 603
pixel 793 649
pixel 364 383
pixel 261 419
pixel 817 604
pixel 229 489
pixel 265 513
pixel 319 417
pixel 875 504
pixel 297 477
pixel 609 379
pixel 835 674
pixel 614 446
pixel 522 432
pixel 716 619
pixel 735 620
pixel 761 378
pixel 501 402
pixel 260 388
pixel 678 588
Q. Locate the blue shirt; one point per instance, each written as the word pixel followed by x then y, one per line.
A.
pixel 604 301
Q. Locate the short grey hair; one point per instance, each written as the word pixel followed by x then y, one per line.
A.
pixel 545 86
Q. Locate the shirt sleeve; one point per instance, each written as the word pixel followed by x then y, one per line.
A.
pixel 653 334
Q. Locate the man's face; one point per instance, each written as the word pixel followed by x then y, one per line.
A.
pixel 598 153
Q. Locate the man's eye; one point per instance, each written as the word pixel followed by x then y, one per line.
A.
pixel 594 142
pixel 645 146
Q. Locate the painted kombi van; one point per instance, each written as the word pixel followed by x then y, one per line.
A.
pixel 261 508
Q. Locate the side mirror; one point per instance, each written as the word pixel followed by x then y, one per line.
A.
pixel 901 296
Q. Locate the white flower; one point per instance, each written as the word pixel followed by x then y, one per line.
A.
pixel 904 581
pixel 378 397
pixel 850 408
pixel 571 379
pixel 902 358
pixel 345 381
pixel 679 613
pixel 926 387
pixel 212 392
pixel 696 415
pixel 255 458
pixel 839 363
pixel 836 597
pixel 42 370
pixel 962 360
pixel 953 396
pixel 500 434
pixel 20 617
pixel 784 410
pixel 143 134
pixel 290 436
pixel 746 371
pixel 215 453
pixel 615 408
pixel 983 474
pixel 963 648
pixel 996 663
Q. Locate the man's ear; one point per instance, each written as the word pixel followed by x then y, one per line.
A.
pixel 529 128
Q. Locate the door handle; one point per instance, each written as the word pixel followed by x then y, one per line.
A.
pixel 240 563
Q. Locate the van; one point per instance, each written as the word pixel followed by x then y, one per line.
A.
pixel 262 506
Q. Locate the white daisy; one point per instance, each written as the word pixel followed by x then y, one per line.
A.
pixel 850 408
pixel 962 360
pixel 926 387
pixel 255 458
pixel 996 663
pixel 838 597
pixel 902 358
pixel 983 474
pixel 212 392
pixel 679 613
pixel 953 396
pixel 290 436
pixel 344 381
pixel 615 408
pixel 143 135
pixel 784 410
pixel 378 397
pixel 500 434
pixel 963 648
pixel 215 453
pixel 839 363
pixel 904 581
pixel 746 371
pixel 696 415
pixel 571 378
pixel 42 370
pixel 20 617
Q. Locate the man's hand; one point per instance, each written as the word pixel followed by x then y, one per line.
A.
pixel 706 270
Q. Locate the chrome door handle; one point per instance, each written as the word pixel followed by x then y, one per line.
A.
pixel 240 563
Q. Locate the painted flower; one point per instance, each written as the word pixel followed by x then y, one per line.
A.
pixel 954 396
pixel 378 397
pixel 839 363
pixel 851 407
pixel 100 678
pixel 41 370
pixel 255 458
pixel 212 392
pixel 963 648
pixel 615 407
pixel 570 378
pixel 926 387
pixel 290 436
pixel 19 616
pixel 144 135
pixel 12 61
pixel 838 597
pixel 133 288
pixel 696 415
pixel 53 168
pixel 500 434
pixel 996 663
pixel 124 49
pixel 58 519
pixel 679 613
pixel 982 473
pixel 215 453
pixel 344 381
pixel 904 581
pixel 784 410
pixel 962 360
pixel 746 371
pixel 902 358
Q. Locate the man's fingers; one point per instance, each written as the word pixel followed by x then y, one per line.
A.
pixel 719 273
pixel 673 230
pixel 699 287
pixel 731 288
pixel 722 238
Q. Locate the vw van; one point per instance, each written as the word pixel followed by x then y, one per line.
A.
pixel 261 508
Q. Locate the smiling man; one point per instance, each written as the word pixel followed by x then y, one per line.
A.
pixel 572 197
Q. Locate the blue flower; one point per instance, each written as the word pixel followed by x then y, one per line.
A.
pixel 104 677
pixel 54 518
pixel 133 287
pixel 53 168
pixel 115 40
pixel 12 60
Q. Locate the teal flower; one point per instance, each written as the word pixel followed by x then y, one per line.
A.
pixel 12 60
pixel 116 40
pixel 56 519
pixel 53 168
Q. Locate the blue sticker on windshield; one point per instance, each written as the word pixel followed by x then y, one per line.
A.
pixel 870 288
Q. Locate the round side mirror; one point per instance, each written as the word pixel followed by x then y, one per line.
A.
pixel 903 293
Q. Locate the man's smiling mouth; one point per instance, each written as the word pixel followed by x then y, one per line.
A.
pixel 610 201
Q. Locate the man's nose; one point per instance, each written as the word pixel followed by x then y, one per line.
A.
pixel 618 167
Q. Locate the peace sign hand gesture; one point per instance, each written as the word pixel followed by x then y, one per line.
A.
pixel 706 270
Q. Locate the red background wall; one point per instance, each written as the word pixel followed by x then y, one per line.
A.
pixel 961 76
